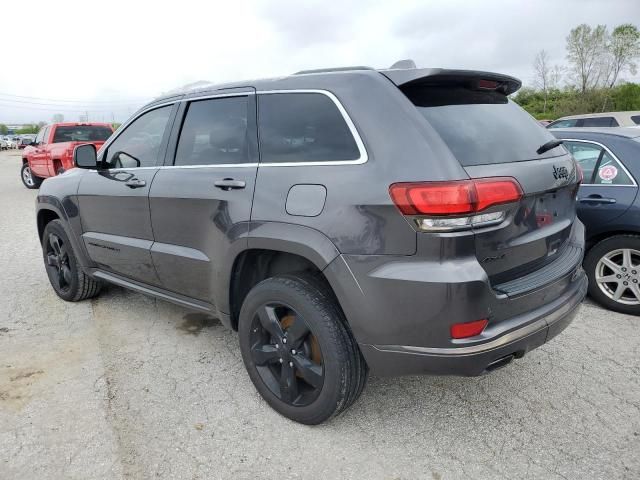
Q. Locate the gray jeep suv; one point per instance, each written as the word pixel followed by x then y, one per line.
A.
pixel 343 221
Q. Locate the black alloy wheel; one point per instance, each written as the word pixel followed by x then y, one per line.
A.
pixel 286 354
pixel 57 255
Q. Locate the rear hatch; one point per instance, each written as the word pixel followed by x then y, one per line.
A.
pixel 491 136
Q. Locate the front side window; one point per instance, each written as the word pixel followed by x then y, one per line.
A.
pixel 598 166
pixel 45 135
pixel 139 144
pixel 635 119
pixel 214 132
pixel 81 133
pixel 563 124
pixel 599 122
pixel 303 127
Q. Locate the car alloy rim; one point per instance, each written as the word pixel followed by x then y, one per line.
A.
pixel 618 275
pixel 58 262
pixel 286 354
pixel 26 175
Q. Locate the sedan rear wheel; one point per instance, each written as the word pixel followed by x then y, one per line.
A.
pixel 613 268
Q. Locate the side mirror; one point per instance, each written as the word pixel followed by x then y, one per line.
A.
pixel 84 156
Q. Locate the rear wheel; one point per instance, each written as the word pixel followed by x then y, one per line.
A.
pixel 28 178
pixel 67 278
pixel 613 268
pixel 298 351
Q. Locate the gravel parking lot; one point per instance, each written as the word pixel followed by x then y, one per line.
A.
pixel 126 386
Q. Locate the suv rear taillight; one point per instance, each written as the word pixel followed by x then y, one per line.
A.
pixel 443 206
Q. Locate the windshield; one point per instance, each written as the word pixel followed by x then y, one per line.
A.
pixel 81 133
pixel 481 127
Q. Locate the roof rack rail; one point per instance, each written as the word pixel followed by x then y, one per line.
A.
pixel 334 69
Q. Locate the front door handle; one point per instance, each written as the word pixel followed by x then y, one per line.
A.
pixel 596 199
pixel 230 184
pixel 135 183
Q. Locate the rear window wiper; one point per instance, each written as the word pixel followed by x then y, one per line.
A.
pixel 548 146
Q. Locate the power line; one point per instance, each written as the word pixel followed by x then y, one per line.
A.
pixel 66 109
pixel 78 105
pixel 83 102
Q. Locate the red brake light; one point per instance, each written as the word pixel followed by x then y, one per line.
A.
pixel 457 197
pixel 468 329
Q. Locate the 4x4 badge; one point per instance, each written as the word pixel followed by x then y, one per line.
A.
pixel 560 172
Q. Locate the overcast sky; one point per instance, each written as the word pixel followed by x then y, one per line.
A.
pixel 111 56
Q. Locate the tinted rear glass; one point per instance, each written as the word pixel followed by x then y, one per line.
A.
pixel 81 133
pixel 635 119
pixel 303 127
pixel 599 122
pixel 481 127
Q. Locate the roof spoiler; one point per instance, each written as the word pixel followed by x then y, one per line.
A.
pixel 477 80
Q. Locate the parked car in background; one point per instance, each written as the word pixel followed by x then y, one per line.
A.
pixel 10 142
pixel 407 221
pixel 51 153
pixel 608 119
pixel 4 145
pixel 609 207
pixel 25 142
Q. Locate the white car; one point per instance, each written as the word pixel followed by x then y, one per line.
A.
pixel 605 119
pixel 3 144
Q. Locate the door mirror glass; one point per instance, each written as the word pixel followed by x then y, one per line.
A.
pixel 84 156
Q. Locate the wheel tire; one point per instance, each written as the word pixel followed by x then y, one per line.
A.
pixel 72 284
pixel 29 179
pixel 343 367
pixel 593 257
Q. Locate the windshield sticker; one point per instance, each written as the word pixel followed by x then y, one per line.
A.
pixel 608 173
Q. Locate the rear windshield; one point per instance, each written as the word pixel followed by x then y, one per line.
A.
pixel 81 133
pixel 481 127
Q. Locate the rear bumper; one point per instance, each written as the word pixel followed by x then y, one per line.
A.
pixel 541 326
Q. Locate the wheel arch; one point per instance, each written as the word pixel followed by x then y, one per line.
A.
pixel 597 238
pixel 273 249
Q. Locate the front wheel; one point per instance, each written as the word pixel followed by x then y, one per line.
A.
pixel 613 268
pixel 65 274
pixel 28 178
pixel 298 351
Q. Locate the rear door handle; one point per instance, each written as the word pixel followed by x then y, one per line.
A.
pixel 597 199
pixel 230 184
pixel 135 183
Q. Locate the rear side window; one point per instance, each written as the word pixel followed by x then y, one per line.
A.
pixel 81 133
pixel 481 127
pixel 599 122
pixel 598 166
pixel 214 132
pixel 635 119
pixel 303 127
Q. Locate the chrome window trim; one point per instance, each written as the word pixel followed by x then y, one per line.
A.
pixel 593 142
pixel 364 157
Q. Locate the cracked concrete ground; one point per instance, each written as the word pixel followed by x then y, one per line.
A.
pixel 129 387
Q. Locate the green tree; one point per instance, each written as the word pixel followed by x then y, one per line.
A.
pixel 3 129
pixel 585 49
pixel 626 97
pixel 623 49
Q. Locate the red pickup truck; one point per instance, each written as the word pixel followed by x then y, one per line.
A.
pixel 51 153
